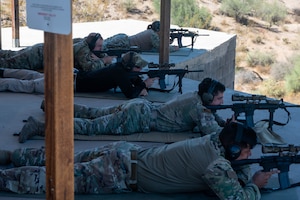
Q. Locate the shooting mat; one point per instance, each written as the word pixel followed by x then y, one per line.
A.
pixel 153 96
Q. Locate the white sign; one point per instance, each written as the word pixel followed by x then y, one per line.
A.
pixel 52 16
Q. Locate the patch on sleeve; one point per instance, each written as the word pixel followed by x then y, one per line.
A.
pixel 231 174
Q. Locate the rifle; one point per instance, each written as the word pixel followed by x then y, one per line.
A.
pixel 161 66
pixel 287 155
pixel 254 103
pixel 161 73
pixel 116 52
pixel 179 33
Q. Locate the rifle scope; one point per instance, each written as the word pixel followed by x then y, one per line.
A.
pixel 271 148
pixel 238 97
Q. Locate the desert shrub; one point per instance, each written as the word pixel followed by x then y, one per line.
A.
pixel 292 79
pixel 236 8
pixel 279 70
pixel 255 58
pixel 272 88
pixel 244 76
pixel 272 12
pixel 187 13
pixel 128 5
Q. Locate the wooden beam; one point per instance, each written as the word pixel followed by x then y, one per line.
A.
pixel 15 23
pixel 165 10
pixel 59 101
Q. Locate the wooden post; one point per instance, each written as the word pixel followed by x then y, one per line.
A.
pixel 15 23
pixel 165 10
pixel 59 103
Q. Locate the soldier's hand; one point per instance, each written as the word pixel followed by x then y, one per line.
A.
pixel 149 82
pixel 261 178
pixel 144 92
pixel 108 59
pixel 232 119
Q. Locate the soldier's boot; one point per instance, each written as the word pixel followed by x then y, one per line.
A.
pixel 5 157
pixel 28 157
pixel 32 127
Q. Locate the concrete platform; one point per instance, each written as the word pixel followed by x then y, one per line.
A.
pixel 15 107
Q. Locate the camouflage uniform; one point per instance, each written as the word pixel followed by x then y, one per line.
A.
pixel 83 59
pixel 192 165
pixel 22 80
pixel 118 41
pixel 130 117
pixel 147 40
pixel 100 170
pixel 28 58
pixel 183 113
pixel 32 57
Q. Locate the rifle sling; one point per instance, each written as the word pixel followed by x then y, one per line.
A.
pixel 279 123
pixel 163 90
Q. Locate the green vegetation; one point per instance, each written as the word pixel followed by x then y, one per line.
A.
pixel 187 13
pixel 237 9
pixel 257 58
pixel 292 79
pixel 272 12
pixel 272 88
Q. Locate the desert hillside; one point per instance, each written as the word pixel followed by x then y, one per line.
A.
pixel 280 41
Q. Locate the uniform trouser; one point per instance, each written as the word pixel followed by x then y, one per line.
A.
pixel 28 58
pixel 26 86
pixel 100 170
pixel 119 41
pixel 130 117
pixel 21 80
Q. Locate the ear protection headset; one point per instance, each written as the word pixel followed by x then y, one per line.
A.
pixel 234 150
pixel 130 64
pixel 155 26
pixel 208 96
pixel 92 44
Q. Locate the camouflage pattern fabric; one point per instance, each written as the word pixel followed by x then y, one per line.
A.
pixel 131 117
pixel 183 113
pixel 23 180
pixel 147 40
pixel 28 157
pixel 22 74
pixel 187 166
pixel 82 111
pixel 193 165
pixel 22 80
pixel 83 59
pixel 28 58
pixel 224 182
pixel 118 41
pixel 106 170
pixel 100 170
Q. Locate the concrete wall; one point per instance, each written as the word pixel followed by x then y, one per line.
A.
pixel 218 63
